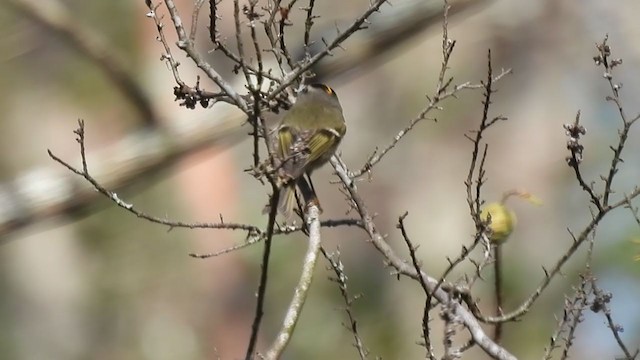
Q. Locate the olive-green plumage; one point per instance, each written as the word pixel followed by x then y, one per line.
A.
pixel 307 137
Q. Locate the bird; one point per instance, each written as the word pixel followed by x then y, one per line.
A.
pixel 307 136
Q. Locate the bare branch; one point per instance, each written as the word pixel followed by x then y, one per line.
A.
pixel 264 269
pixel 377 240
pixel 434 104
pixel 278 231
pixel 341 280
pixel 239 41
pixel 600 303
pixel 574 131
pixel 213 20
pixel 84 172
pixel 284 22
pixel 301 290
pixel 427 306
pixel 604 58
pixel 190 96
pixel 188 47
pixel 601 201
pixel 308 24
pixel 194 19
pixel 339 39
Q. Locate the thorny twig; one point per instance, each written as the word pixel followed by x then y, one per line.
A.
pixel 337 41
pixel 402 267
pixel 308 24
pixel 444 90
pixel 186 45
pixel 604 206
pixel 427 306
pixel 580 302
pixel 473 193
pixel 341 279
pixel 278 231
pixel 572 308
pixel 188 95
pixel 600 304
pixel 84 172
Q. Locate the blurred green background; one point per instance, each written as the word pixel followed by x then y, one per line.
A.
pixel 102 284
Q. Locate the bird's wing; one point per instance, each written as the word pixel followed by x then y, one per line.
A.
pixel 300 150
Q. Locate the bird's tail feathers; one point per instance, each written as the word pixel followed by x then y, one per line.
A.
pixel 287 201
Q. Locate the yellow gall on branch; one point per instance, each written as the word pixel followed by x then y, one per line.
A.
pixel 502 220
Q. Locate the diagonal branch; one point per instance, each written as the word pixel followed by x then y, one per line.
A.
pixel 404 268
pixel 55 17
pixel 339 39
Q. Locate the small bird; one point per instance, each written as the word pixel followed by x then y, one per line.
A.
pixel 307 137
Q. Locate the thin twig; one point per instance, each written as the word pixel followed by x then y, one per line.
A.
pixel 427 305
pixel 576 317
pixel 434 104
pixel 240 41
pixel 451 322
pixel 600 303
pixel 213 20
pixel 251 240
pixel 443 91
pixel 194 19
pixel 561 327
pixel 300 294
pixel 84 172
pixel 339 39
pixel 282 24
pixel 574 131
pixel 475 174
pixel 497 331
pixel 403 268
pixel 188 47
pixel 189 96
pixel 269 30
pixel 604 58
pixel 259 126
pixel 262 287
pixel 308 24
pixel 473 193
pixel 341 280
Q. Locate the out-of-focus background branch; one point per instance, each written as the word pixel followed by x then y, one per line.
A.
pixel 105 285
pixel 50 193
